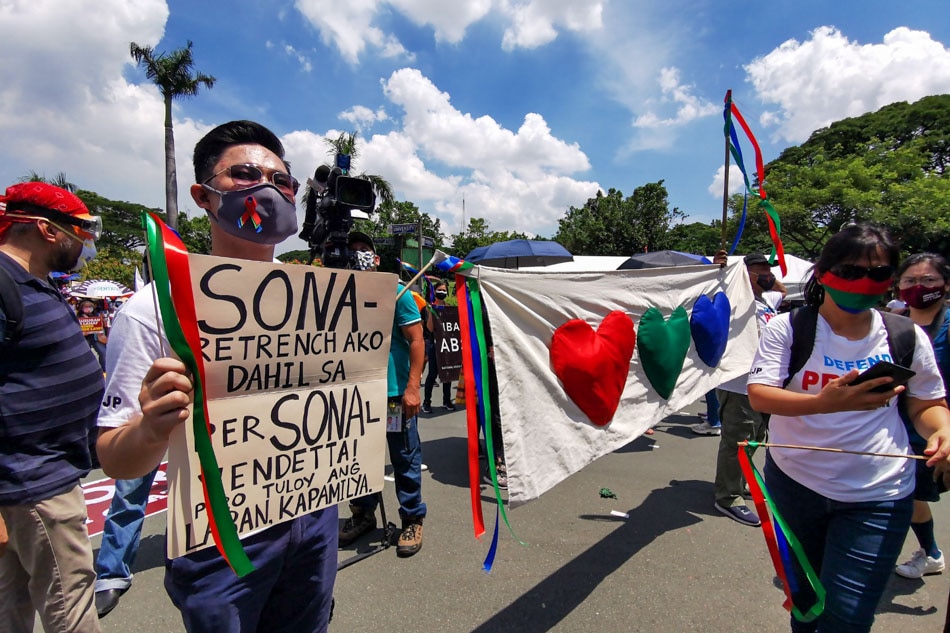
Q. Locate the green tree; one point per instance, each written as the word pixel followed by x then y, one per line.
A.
pixel 394 212
pixel 613 225
pixel 175 77
pixel 478 233
pixel 888 166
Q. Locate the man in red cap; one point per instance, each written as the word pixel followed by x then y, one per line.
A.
pixel 50 389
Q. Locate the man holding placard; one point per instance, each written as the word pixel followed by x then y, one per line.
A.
pixel 240 168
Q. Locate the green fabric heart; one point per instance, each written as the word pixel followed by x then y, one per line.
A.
pixel 662 346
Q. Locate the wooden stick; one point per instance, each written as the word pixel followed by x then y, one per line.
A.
pixel 725 184
pixel 831 450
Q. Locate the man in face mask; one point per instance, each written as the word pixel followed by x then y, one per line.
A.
pixel 245 186
pixel 739 421
pixel 50 390
pixel 406 358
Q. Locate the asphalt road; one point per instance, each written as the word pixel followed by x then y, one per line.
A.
pixel 674 565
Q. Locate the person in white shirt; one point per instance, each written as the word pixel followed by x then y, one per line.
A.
pixel 850 511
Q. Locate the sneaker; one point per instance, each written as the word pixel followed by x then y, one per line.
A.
pixel 410 539
pixel 362 522
pixel 740 514
pixel 921 565
pixel 705 428
pixel 426 408
pixel 501 471
pixel 448 406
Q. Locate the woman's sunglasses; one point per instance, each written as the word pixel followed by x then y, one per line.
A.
pixel 852 272
pixel 247 175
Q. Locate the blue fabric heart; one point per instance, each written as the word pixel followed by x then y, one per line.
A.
pixel 709 326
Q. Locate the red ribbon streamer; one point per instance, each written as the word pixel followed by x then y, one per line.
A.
pixel 471 415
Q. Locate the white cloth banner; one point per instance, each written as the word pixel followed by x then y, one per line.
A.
pixel 546 435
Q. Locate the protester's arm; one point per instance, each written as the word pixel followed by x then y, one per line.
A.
pixel 411 398
pixel 931 419
pixel 837 395
pixel 780 287
pixel 134 449
pixel 721 258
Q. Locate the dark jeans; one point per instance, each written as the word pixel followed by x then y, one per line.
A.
pixel 852 546
pixel 405 454
pixel 431 375
pixel 288 592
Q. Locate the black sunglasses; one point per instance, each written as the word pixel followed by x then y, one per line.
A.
pixel 247 175
pixel 874 273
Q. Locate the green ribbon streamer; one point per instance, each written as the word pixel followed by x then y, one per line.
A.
pixel 475 296
pixel 221 523
pixel 793 542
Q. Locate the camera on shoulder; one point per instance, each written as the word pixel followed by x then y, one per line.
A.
pixel 331 198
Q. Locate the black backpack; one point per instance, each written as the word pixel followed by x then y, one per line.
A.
pixel 901 341
pixel 11 310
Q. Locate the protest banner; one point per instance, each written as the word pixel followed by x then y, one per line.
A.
pixel 448 342
pixel 546 325
pixel 295 361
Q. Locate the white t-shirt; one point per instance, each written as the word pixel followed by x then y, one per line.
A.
pixel 133 347
pixel 766 307
pixel 841 476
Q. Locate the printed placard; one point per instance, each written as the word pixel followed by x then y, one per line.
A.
pixel 91 325
pixel 295 376
pixel 448 343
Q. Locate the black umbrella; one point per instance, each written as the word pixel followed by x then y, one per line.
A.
pixel 662 259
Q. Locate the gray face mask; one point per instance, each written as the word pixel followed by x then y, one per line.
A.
pixel 259 214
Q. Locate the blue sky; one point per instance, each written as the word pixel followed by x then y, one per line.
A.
pixel 521 107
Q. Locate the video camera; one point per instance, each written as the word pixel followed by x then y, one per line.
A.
pixel 332 197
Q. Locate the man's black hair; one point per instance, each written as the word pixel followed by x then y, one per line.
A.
pixel 214 143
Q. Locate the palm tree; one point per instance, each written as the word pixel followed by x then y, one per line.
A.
pixel 346 143
pixel 174 76
pixel 59 180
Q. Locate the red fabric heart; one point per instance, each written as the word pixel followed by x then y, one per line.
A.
pixel 593 366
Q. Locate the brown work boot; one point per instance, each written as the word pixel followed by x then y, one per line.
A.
pixel 362 522
pixel 410 540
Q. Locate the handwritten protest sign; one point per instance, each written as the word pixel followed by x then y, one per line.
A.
pixel 448 343
pixel 295 375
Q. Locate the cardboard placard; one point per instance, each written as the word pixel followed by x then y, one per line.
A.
pixel 296 368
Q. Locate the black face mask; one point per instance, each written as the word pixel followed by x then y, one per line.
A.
pixel 260 214
pixel 766 282
pixel 441 295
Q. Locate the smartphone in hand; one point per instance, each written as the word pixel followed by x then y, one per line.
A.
pixel 901 375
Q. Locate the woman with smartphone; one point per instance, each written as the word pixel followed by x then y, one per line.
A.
pixel 849 511
pixel 923 283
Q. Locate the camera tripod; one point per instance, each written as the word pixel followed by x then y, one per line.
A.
pixel 389 531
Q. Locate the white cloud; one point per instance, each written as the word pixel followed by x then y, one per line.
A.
pixel 305 64
pixel 736 182
pixel 534 22
pixel 828 77
pixel 517 179
pixel 362 117
pixel 688 106
pixel 352 26
pixel 348 26
pixel 65 106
